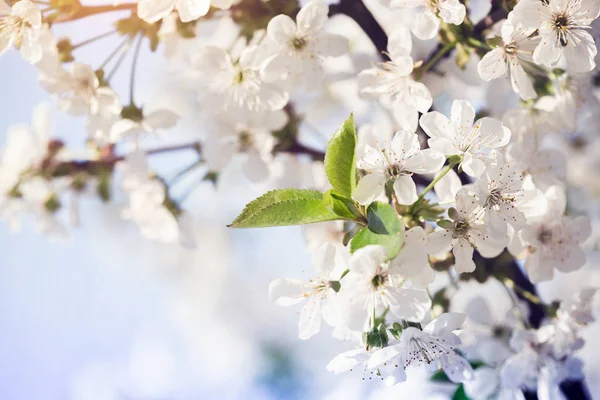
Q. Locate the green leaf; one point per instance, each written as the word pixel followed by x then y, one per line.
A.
pixel 460 394
pixel 284 207
pixel 340 205
pixel 384 228
pixel 340 158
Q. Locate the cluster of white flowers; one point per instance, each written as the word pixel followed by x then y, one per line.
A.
pixel 479 192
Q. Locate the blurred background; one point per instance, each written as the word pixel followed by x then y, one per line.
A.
pixel 106 314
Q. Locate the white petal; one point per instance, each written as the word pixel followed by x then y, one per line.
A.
pixel 436 125
pixel 399 42
pixel 282 29
pixel 439 242
pixel 279 66
pixel 445 324
pixel 324 259
pixel 405 189
pixel 369 188
pixel 521 82
pixel 123 128
pixel 255 167
pixel 190 10
pixel 452 12
pixel 365 260
pixel 426 25
pixel 31 50
pixel 412 304
pixel 331 45
pixel 312 17
pixel 154 10
pixel 383 355
pixel 286 292
pixel 426 161
pixel 463 254
pixel 161 119
pixel 547 52
pixel 310 319
pixel 462 116
pixel 457 368
pixel 492 65
pixel 580 56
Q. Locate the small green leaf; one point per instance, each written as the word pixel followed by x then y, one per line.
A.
pixel 284 207
pixel 385 228
pixel 460 393
pixel 340 205
pixel 340 158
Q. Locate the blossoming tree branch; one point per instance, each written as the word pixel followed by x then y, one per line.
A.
pixel 402 197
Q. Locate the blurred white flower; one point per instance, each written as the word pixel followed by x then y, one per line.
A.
pixel 302 45
pixel 20 25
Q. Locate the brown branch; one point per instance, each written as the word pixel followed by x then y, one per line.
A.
pixel 80 11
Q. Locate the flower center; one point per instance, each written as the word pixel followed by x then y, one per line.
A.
pixel 426 349
pixel 395 171
pixel 494 198
pixel 299 43
pixel 380 278
pixel 246 142
pixel 545 236
pixel 562 24
pixel 461 228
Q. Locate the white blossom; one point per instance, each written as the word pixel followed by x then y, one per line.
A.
pixel 434 346
pixel 554 241
pixel 426 24
pixel 514 58
pixel 238 83
pixel 20 26
pixel 476 142
pixel 377 285
pixel 395 160
pixel 154 10
pixel 302 45
pixel 318 292
pixel 465 233
pixel 564 31
pixel 391 82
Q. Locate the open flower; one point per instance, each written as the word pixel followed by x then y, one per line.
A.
pixel 391 83
pixel 464 233
pixel 137 123
pixel 318 292
pixel 154 10
pixel 239 83
pixel 302 45
pixel 434 346
pixel 20 26
pixel 513 59
pixel 376 286
pixel 395 160
pixel 498 190
pixel 563 27
pixel 553 242
pixel 426 24
pixel 475 143
pixel 79 92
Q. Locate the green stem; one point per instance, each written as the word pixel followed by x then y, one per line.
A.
pixel 133 67
pixel 443 173
pixel 93 39
pixel 344 274
pixel 434 60
pixel 113 53
pixel 478 44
